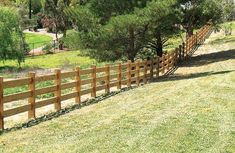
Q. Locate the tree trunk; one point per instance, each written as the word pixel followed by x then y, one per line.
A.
pixel 159 47
pixel 189 30
pixel 131 52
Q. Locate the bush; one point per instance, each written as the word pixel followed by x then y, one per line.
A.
pixel 48 49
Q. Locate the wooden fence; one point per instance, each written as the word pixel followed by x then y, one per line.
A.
pixel 94 79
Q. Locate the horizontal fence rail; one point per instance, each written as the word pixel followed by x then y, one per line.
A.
pixel 90 81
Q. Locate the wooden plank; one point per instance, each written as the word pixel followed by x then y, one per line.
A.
pixel 113 76
pixel 113 84
pixel 78 86
pixel 86 71
pixel 133 79
pixel 124 82
pixel 68 74
pixel 100 69
pixel 69 96
pixel 58 89
pixel 125 65
pixel 32 98
pixel 18 96
pixel 87 81
pixel 93 84
pixel 46 102
pixel 45 78
pixel 98 88
pixel 69 85
pixel 103 78
pixel 1 104
pixel 107 81
pixel 17 110
pixel 133 71
pixel 16 83
pixel 85 92
pixel 45 90
pixel 114 67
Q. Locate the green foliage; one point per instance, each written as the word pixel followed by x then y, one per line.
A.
pixel 112 34
pixel 48 48
pixel 12 43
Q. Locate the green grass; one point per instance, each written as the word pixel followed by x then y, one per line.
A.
pixel 191 111
pixel 225 39
pixel 69 59
pixel 36 40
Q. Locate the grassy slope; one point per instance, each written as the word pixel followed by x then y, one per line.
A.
pixel 35 40
pixel 191 111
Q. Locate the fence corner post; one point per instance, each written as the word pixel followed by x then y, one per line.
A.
pixel 58 89
pixel 78 86
pixel 32 98
pixel 1 105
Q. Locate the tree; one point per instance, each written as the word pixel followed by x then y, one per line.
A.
pixel 119 29
pixel 162 21
pixel 195 13
pixel 12 44
pixel 55 15
pixel 111 29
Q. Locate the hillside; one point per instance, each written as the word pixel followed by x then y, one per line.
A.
pixel 192 110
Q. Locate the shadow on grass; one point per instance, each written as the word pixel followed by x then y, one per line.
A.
pixel 64 111
pixel 210 58
pixel 190 76
pixel 226 39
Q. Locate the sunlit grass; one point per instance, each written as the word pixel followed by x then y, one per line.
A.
pixel 37 40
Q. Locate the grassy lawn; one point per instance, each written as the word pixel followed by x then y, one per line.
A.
pixel 36 40
pixel 69 59
pixel 191 111
pixel 225 39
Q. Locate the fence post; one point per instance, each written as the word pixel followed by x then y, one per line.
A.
pixel 180 53
pixel 183 49
pixel 151 70
pixel 129 74
pixel 93 84
pixel 107 81
pixel 145 71
pixel 119 76
pixel 58 89
pixel 157 66
pixel 138 72
pixel 175 60
pixel 32 98
pixel 78 86
pixel 1 104
pixel 168 61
